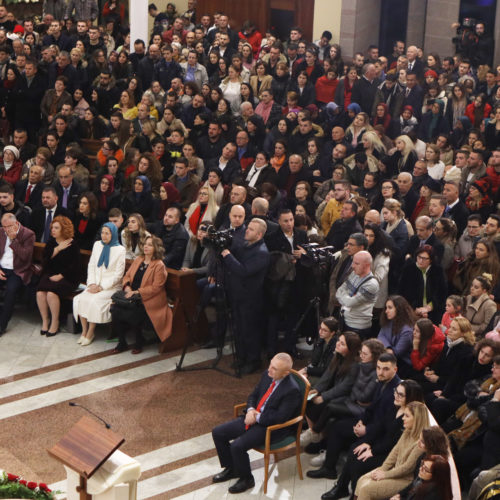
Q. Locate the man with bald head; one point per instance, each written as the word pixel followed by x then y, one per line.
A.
pixel 358 294
pixel 409 196
pixel 147 65
pixel 275 399
pixel 237 196
pixel 29 191
pixel 260 210
pixel 245 267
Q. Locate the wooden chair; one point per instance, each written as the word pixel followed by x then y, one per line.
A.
pixel 288 442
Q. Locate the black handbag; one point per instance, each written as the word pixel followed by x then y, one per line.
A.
pixel 119 299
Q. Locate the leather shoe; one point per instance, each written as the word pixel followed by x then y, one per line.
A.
pixel 243 484
pixel 118 349
pixel 322 472
pixel 334 494
pixel 225 475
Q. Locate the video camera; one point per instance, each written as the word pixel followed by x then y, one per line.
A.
pixel 318 254
pixel 218 240
pixel 466 36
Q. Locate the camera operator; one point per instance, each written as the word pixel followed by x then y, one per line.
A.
pixel 285 289
pixel 244 271
pixel 357 296
pixel 207 286
pixel 473 43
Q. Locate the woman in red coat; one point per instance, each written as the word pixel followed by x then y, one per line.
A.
pixel 428 342
pixel 13 165
pixel 326 86
pixel 478 110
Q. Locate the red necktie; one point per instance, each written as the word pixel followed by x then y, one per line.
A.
pixel 263 399
pixel 28 194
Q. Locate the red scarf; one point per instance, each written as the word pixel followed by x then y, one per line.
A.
pixel 196 218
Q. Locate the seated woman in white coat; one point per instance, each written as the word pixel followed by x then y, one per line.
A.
pixel 104 277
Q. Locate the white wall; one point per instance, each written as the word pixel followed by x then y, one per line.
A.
pixel 327 16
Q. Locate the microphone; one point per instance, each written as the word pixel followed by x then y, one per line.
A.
pixel 72 403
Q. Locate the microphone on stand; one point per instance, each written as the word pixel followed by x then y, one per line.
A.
pixel 71 403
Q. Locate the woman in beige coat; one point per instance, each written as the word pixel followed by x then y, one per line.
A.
pixel 479 307
pixel 146 278
pixel 397 470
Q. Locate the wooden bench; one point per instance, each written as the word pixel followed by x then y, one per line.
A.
pixel 182 293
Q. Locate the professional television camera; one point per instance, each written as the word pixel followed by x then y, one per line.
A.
pixel 466 38
pixel 218 240
pixel 318 254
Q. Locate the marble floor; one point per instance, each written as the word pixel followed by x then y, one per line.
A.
pixel 39 376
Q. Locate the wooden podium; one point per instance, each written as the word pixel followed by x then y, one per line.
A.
pixel 85 448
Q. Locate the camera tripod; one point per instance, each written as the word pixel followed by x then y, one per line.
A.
pixel 224 323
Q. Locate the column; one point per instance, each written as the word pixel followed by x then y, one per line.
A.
pixel 139 19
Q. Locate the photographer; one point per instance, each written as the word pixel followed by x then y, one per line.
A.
pixel 244 273
pixel 285 293
pixel 473 43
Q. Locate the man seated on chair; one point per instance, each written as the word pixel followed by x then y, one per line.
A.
pixel 275 399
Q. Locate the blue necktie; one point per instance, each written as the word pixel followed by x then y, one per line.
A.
pixel 48 222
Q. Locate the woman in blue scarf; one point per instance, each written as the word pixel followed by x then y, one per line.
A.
pixel 139 200
pixel 104 275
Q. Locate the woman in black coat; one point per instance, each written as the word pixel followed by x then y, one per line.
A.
pixel 477 367
pixel 86 222
pixel 310 65
pixel 433 123
pixel 139 200
pixel 304 88
pixel 60 273
pixel 427 297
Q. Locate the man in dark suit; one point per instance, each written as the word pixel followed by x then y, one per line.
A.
pixel 286 297
pixel 345 226
pixel 275 399
pixel 364 89
pixel 16 250
pixel 414 95
pixel 245 268
pixel 68 191
pixel 424 236
pixel 455 208
pixel 42 217
pixel 367 429
pixel 237 196
pixel 415 65
pixel 227 162
pixel 30 190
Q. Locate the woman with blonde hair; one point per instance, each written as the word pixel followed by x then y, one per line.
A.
pixel 203 209
pixel 359 126
pixel 145 283
pixel 395 224
pixel 404 158
pixel 397 470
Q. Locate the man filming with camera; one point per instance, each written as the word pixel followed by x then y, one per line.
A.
pixel 245 268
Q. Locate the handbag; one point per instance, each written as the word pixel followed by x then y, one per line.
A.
pixel 119 299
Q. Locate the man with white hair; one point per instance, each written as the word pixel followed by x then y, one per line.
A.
pixel 16 251
pixel 358 294
pixel 275 399
pixel 409 197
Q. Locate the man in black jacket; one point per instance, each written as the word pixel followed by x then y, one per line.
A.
pixel 166 69
pixel 455 208
pixel 68 191
pixel 275 399
pixel 424 236
pixel 364 89
pixel 345 226
pixel 245 268
pixel 29 91
pixel 43 216
pixel 174 236
pixel 286 298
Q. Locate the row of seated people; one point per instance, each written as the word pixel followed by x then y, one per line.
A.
pixel 354 385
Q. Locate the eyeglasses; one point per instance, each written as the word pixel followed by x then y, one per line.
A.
pixel 421 257
pixel 399 394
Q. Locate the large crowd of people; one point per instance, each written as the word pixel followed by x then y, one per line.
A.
pixel 389 164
